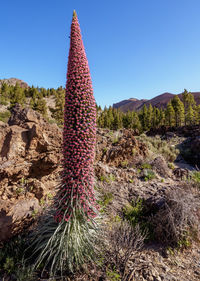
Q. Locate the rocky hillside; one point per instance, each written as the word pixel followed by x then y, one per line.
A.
pixel 13 82
pixel 159 101
pixel 148 195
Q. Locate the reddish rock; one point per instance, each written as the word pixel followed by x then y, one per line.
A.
pixel 30 158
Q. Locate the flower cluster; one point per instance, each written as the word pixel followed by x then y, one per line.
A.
pixel 79 134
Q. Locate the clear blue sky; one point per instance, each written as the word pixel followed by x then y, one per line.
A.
pixel 135 48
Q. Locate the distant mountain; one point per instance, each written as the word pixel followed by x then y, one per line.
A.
pixel 159 101
pixel 13 81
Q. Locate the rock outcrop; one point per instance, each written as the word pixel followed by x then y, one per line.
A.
pixel 13 82
pixel 30 157
pixel 119 149
pixel 117 153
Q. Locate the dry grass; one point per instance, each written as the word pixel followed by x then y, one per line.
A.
pixel 177 219
pixel 123 240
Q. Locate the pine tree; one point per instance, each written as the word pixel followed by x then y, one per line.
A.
pixel 185 98
pixel 162 117
pixel 100 120
pixel 155 117
pixel 189 118
pixel 41 106
pixel 74 225
pixel 110 117
pixel 4 94
pixel 149 116
pixel 179 111
pixel 118 121
pixel 197 114
pixel 189 105
pixel 17 95
pixel 144 120
pixel 58 112
pixel 135 123
pixel 127 120
pixel 170 115
pixel 107 123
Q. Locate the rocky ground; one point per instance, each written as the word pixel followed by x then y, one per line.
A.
pixel 127 168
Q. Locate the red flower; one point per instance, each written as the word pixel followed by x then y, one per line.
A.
pixel 79 134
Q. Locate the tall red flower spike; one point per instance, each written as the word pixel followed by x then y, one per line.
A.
pixel 79 135
pixel 68 239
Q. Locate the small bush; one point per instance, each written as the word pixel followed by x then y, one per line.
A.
pixel 171 166
pixel 105 149
pixel 51 121
pixel 134 151
pixel 4 102
pixel 133 211
pixel 159 146
pixel 123 240
pixel 135 214
pixel 4 116
pixel 146 166
pixel 196 176
pixel 105 199
pixel 108 179
pixel 113 275
pixel 176 219
pixel 171 219
pixel 148 175
pixel 124 164
pixel 12 259
pixel 9 265
pixel 115 140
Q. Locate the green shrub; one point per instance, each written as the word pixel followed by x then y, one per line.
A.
pixel 159 146
pixel 12 254
pixel 107 179
pixel 113 275
pixel 51 121
pixel 4 116
pixel 105 149
pixel 196 176
pixel 124 164
pixel 115 140
pixel 9 265
pixel 184 242
pixel 171 166
pixel 136 214
pixel 134 151
pixel 3 101
pixel 148 175
pixel 133 212
pixel 105 199
pixel 146 166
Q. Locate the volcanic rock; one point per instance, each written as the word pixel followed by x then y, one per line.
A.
pixel 30 158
